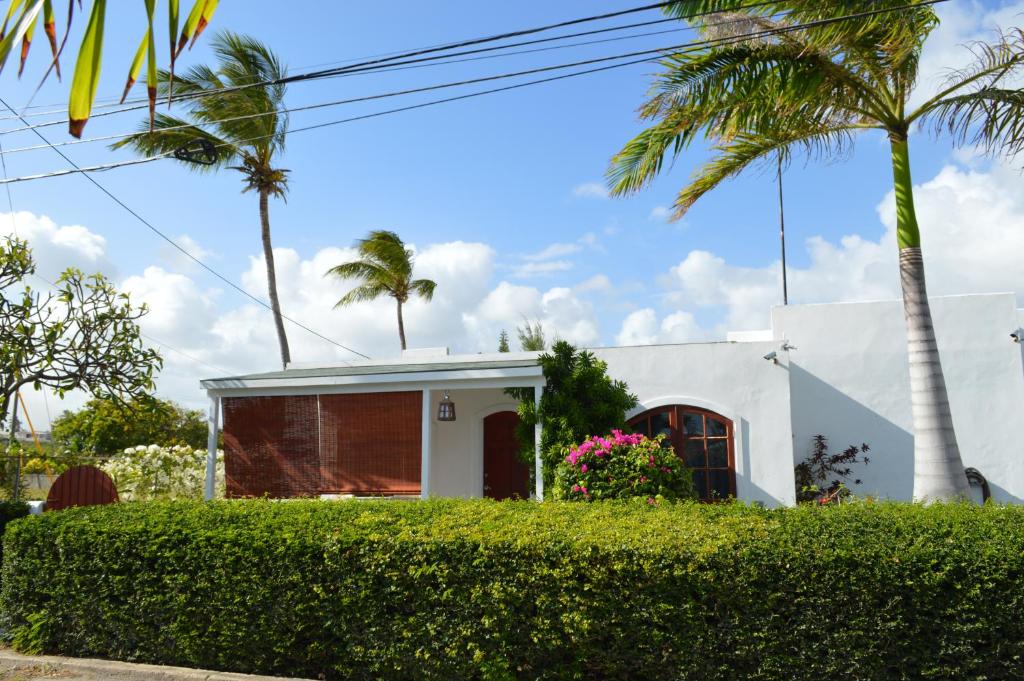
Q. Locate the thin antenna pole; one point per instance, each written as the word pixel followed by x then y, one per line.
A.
pixel 782 234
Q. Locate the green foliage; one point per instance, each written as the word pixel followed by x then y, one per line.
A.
pixel 811 89
pixel 477 589
pixel 11 510
pixel 82 336
pixel 822 476
pixel 531 336
pixel 503 342
pixel 384 268
pixel 106 427
pixel 579 400
pixel 622 466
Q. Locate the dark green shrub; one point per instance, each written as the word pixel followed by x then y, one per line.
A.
pixel 579 399
pixel 11 510
pixel 624 466
pixel 486 590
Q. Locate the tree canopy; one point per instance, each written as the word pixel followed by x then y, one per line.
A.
pixel 105 427
pixel 82 336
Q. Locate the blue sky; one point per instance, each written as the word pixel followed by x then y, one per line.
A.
pixel 512 173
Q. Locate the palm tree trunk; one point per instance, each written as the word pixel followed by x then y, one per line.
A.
pixel 938 468
pixel 401 325
pixel 268 255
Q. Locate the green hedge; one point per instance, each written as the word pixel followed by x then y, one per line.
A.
pixel 477 589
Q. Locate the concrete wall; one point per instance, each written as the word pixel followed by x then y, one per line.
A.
pixel 456 456
pixel 849 380
pixel 734 380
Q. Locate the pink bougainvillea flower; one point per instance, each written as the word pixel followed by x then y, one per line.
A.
pixel 583 468
pixel 650 500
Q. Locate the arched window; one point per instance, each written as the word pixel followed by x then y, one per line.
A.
pixel 702 438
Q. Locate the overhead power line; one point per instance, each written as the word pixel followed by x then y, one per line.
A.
pixel 659 51
pixel 122 135
pixel 410 57
pixel 184 251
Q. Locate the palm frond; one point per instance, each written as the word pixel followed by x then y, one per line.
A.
pixel 424 288
pixel 359 269
pixel 979 104
pixel 170 133
pixel 738 154
pixel 364 293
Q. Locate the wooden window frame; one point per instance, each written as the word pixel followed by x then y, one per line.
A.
pixel 677 438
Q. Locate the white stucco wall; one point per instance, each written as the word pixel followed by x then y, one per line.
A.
pixel 456 456
pixel 849 380
pixel 734 380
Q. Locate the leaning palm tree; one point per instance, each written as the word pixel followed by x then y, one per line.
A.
pixel 385 269
pixel 245 129
pixel 806 75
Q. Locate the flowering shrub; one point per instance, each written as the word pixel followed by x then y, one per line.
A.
pixel 620 466
pixel 151 472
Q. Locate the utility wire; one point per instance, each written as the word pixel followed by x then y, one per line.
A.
pixel 14 225
pixel 143 102
pixel 122 135
pixel 690 45
pixel 377 64
pixel 178 246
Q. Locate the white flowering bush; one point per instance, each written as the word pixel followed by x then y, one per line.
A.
pixel 151 472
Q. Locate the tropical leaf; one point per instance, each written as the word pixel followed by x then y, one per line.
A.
pixel 197 21
pixel 87 70
pixel 20 22
pixel 28 17
pixel 50 28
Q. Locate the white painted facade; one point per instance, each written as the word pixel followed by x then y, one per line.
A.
pixel 836 369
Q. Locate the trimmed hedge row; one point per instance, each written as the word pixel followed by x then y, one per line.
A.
pixel 477 589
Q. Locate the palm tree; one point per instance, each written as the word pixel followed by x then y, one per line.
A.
pixel 812 88
pixel 385 269
pixel 245 127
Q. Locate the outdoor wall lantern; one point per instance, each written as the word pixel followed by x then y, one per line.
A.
pixel 446 409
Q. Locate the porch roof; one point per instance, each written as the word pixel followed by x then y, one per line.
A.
pixel 468 371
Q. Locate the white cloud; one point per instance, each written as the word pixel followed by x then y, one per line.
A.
pixel 641 327
pixel 541 269
pixel 972 225
pixel 174 258
pixel 590 190
pixel 553 251
pixel 55 248
pixel 660 214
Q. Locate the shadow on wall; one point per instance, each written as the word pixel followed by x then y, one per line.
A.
pixel 746 488
pixel 820 408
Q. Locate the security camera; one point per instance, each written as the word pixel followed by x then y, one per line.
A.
pixel 771 357
pixel 1015 337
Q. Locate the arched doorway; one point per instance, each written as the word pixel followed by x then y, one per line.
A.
pixel 702 439
pixel 505 475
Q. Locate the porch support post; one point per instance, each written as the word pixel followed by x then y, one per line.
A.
pixel 212 420
pixel 538 467
pixel 425 446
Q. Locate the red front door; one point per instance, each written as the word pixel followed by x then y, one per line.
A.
pixel 505 476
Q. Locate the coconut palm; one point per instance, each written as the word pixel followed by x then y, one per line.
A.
pixel 245 127
pixel 783 87
pixel 385 269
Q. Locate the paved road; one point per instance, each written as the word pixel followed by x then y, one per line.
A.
pixel 16 667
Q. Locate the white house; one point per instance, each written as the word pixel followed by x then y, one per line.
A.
pixel 741 412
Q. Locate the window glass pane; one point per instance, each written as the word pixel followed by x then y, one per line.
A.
pixel 716 428
pixel 719 483
pixel 642 426
pixel 660 425
pixel 695 454
pixel 718 453
pixel 693 424
pixel 700 482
